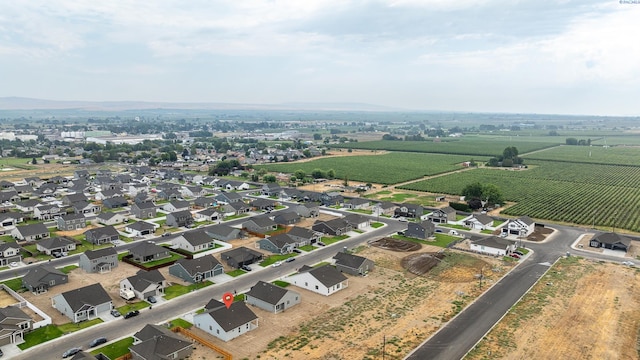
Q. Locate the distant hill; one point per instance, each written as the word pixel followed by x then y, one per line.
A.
pixel 20 103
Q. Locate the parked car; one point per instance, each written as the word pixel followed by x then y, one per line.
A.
pixel 115 313
pixel 152 299
pixel 276 264
pixel 515 256
pixel 400 232
pixel 131 314
pixel 438 230
pixel 290 259
pixel 402 219
pixel 71 352
pixel 319 243
pixel 97 341
pixel 518 253
pixel 245 268
pixel 297 251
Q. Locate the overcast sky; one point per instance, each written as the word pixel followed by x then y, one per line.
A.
pixel 534 56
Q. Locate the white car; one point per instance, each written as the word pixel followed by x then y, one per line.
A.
pixel 13 264
pixel 276 264
pixel 629 263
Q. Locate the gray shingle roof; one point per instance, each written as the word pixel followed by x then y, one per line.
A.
pixel 236 315
pixel 269 293
pixel 199 265
pixel 97 254
pixel 91 295
pixel 349 260
pixel 327 275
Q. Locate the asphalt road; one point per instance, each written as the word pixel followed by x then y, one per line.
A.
pixel 120 327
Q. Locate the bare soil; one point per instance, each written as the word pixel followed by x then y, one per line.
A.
pixel 580 310
pixel 396 245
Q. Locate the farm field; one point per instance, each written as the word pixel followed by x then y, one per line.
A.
pixel 388 168
pixel 583 194
pixel 472 146
pixel 558 319
pixel 616 155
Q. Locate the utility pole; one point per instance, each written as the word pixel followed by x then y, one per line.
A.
pixel 384 342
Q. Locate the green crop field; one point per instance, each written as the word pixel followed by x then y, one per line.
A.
pixel 586 194
pixel 472 146
pixel 391 168
pixel 616 155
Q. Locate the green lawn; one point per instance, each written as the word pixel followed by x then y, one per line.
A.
pixel 181 322
pixel 133 306
pixel 306 247
pixel 281 283
pixel 177 289
pixel 14 284
pixel 173 257
pixel 116 349
pixel 236 272
pixel 273 258
pixel 376 225
pixel 69 268
pixel 71 327
pixel 39 336
pixel 330 240
pixel 441 240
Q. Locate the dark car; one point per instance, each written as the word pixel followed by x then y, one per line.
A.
pixel 518 253
pixel 71 352
pixel 297 251
pixel 97 341
pixel 246 268
pixel 438 230
pixel 515 256
pixel 115 313
pixel 131 314
pixel 152 299
pixel 290 259
pixel 320 243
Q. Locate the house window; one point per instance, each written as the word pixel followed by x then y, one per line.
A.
pixel 306 284
pixel 218 331
pixel 210 328
pixel 52 282
pixel 317 287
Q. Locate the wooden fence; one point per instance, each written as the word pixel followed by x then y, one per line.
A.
pixel 187 333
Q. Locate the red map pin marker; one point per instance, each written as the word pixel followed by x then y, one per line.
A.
pixel 227 299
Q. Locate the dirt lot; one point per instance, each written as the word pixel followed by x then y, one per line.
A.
pixel 351 324
pixel 580 310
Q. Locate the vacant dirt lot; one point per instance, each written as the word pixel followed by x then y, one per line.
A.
pixel 580 310
pixel 351 324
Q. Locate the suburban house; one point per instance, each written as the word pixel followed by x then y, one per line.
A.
pixel 353 264
pixel 208 214
pixel 31 232
pixel 46 212
pixel 71 222
pixel 109 218
pixel 223 232
pixel 442 216
pixel 260 224
pixel 193 241
pixel 83 207
pixel 9 252
pixel 303 236
pixel 408 210
pixel 196 270
pixel 420 230
pixel 14 323
pixel 143 210
pixel 287 218
pixel 357 203
pixel 240 256
pixel 102 235
pixel 115 202
pixel 235 208
pixel 271 297
pixel 228 197
pixel 612 241
pixel 263 204
pixel 69 199
pixel 193 191
pixel 176 205
pixel 42 277
pixel 148 251
pixel 308 210
pixel 493 245
pixel 271 189
pixel 179 218
pixel 140 228
pixel 145 283
pixel 324 280
pixel 358 221
pixel 479 222
pixel 277 244
pixel 98 261
pixel 85 303
pixel 56 245
pixel 331 199
pixel 334 227
pixel 522 226
pixel 204 202
pixel 155 342
pixel 226 324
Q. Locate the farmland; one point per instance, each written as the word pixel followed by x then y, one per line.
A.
pixel 584 194
pixel 618 155
pixel 391 168
pixel 473 146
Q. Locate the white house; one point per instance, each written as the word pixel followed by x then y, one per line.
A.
pixel 522 226
pixel 324 280
pixel 226 324
pixel 193 241
pixel 494 246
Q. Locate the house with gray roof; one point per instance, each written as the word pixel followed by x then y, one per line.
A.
pixel 324 280
pixel 333 227
pixel 612 241
pixel 144 210
pixel 353 264
pixel 479 221
pixel 85 303
pixel 40 278
pixel 111 218
pixel 14 323
pixel 30 232
pixel 193 241
pixel 235 208
pixel 240 256
pixel 176 205
pixel 303 236
pixel 141 228
pixel 115 202
pixel 357 203
pixel 522 226
pixel 145 284
pixel 69 222
pixel 260 224
pixel 11 218
pixel 443 215
pixel 408 210
pixel 84 207
pixel 223 232
pixel 493 245
pixel 272 298
pixel 196 270
pixel 99 261
pixel 56 244
pixel 155 342
pixel 228 197
pixel 277 244
pixel 420 230
pixel 227 324
pixel 179 218
pixel 208 214
pixel 308 209
pixel 102 235
pixel 148 251
pixel 9 252
pixel 358 221
pixel 47 211
pixel 287 218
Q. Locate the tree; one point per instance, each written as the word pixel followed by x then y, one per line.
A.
pixel 472 191
pixel 269 178
pixel 34 161
pixel 479 195
pixel 491 194
pixel 331 174
pixel 510 152
pixel 317 173
pixel 300 174
pixel 317 136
